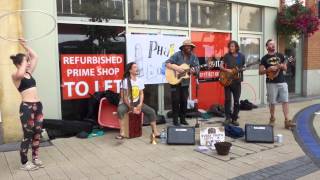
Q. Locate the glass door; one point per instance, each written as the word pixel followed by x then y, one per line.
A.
pixel 250 46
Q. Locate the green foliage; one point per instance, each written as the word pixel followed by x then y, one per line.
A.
pixel 296 20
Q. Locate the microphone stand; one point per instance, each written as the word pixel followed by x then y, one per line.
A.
pixel 197 125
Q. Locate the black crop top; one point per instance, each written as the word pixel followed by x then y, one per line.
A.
pixel 27 83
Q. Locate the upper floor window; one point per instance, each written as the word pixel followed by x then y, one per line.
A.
pixel 206 14
pixel 250 18
pixel 158 12
pixel 91 10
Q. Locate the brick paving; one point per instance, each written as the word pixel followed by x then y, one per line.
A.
pixel 107 158
pixel 291 169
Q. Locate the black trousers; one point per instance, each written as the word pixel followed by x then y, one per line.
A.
pixel 235 90
pixel 179 98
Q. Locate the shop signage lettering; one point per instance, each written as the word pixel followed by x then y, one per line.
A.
pixel 84 74
pixel 160 50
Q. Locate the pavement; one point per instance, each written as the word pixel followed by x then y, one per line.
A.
pixel 107 158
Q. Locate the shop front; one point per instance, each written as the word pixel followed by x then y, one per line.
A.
pixel 209 24
pixel 91 32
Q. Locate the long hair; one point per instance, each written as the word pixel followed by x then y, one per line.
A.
pixel 127 70
pixel 235 44
pixel 126 75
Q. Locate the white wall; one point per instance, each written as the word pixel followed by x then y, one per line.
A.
pixel 47 72
pixel 268 3
pixel 311 87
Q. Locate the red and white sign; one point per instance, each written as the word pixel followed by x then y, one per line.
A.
pixel 207 75
pixel 84 74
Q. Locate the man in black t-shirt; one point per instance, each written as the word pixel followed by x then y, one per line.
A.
pixel 273 64
pixel 231 60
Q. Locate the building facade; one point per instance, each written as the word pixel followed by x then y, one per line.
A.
pixel 99 27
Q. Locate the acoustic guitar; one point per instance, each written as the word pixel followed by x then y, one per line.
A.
pixel 174 77
pixel 226 78
pixel 273 74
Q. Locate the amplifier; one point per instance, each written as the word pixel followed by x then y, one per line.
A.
pixel 259 133
pixel 181 135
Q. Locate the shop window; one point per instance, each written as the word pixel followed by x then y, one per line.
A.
pixel 216 15
pixel 250 18
pixel 250 47
pixel 158 12
pixel 87 41
pixel 91 10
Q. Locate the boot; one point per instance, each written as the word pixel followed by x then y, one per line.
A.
pixel 227 121
pixel 288 124
pixel 184 122
pixel 175 122
pixel 235 122
pixel 272 121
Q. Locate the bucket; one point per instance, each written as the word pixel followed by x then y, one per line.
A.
pixel 223 148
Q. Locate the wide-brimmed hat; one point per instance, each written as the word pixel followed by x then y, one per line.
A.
pixel 187 42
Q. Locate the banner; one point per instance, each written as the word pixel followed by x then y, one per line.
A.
pixel 211 46
pixel 82 74
pixel 150 53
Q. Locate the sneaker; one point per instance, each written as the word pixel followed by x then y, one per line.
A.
pixel 29 166
pixel 235 123
pixel 272 121
pixel 38 163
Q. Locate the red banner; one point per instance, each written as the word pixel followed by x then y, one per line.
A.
pixel 209 45
pixel 84 74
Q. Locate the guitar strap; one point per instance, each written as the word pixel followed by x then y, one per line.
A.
pixel 239 64
pixel 238 60
pixel 277 57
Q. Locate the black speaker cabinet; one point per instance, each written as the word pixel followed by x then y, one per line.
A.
pixel 259 133
pixel 181 135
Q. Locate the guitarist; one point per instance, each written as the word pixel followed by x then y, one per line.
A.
pixel 233 59
pixel 180 92
pixel 274 64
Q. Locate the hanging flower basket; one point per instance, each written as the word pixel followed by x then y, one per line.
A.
pixel 296 20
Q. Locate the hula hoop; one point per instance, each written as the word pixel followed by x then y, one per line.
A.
pixel 252 91
pixel 30 10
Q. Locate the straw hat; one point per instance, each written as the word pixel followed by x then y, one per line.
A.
pixel 187 43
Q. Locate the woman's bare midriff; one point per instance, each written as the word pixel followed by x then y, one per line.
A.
pixel 30 95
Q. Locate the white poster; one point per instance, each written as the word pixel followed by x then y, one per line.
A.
pixel 211 135
pixel 150 53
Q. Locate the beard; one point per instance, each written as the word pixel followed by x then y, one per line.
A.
pixel 271 49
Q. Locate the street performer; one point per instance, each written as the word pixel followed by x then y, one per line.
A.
pixel 231 60
pixel 273 64
pixel 132 99
pixel 180 92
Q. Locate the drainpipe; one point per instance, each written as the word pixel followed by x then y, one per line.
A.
pixel 1 130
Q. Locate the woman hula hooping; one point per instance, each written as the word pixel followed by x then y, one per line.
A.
pixel 31 108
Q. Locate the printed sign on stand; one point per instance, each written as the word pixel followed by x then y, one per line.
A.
pixel 211 135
